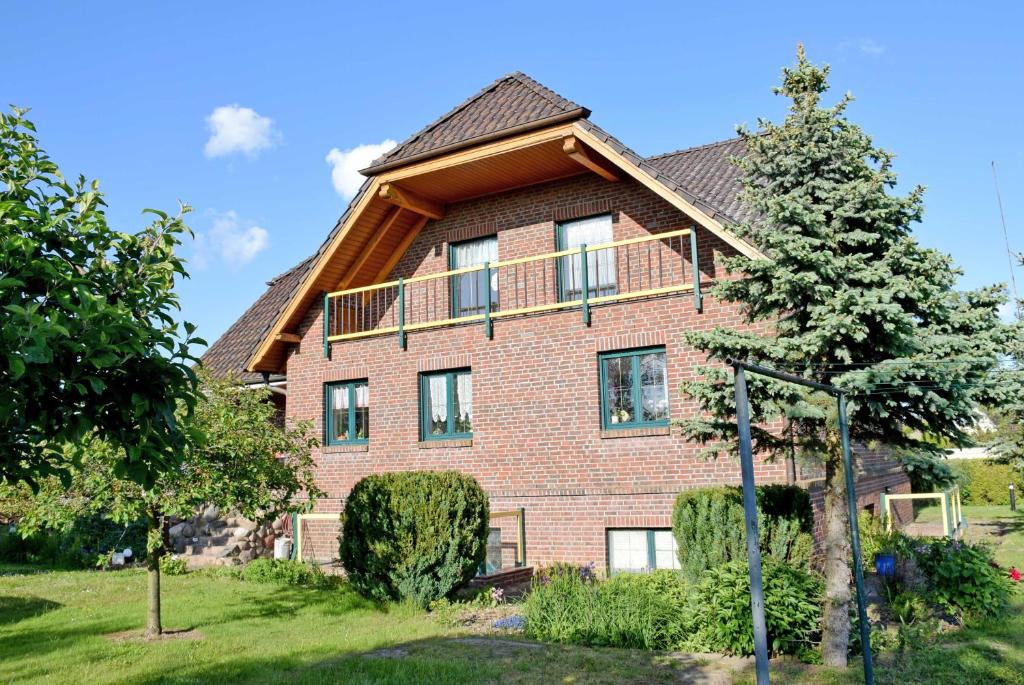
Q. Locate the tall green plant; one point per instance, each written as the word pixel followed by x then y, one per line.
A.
pixel 89 343
pixel 846 296
pixel 240 459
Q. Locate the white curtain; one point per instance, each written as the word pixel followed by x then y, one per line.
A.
pixel 601 275
pixel 464 394
pixel 340 397
pixel 470 293
pixel 438 399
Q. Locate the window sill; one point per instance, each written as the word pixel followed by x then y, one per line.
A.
pixel 635 432
pixel 340 449
pixel 442 444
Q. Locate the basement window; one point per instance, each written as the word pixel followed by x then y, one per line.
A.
pixel 347 413
pixel 638 550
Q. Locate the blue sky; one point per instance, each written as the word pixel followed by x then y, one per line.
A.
pixel 236 107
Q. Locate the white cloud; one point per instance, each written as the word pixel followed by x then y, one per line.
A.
pixel 345 165
pixel 871 47
pixel 239 129
pixel 230 240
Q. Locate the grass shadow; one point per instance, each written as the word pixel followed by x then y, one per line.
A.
pixel 18 608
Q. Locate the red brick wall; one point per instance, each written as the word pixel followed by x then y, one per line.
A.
pixel 537 439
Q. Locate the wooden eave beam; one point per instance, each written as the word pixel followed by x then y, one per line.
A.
pixel 576 151
pixel 288 338
pixel 400 250
pixel 371 247
pixel 389 192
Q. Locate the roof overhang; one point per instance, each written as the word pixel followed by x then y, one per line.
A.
pixel 394 205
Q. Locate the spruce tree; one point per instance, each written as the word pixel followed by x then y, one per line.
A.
pixel 846 296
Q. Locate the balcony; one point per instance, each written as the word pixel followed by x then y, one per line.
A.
pixel 650 266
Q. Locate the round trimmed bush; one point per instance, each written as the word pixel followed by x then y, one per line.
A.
pixel 416 535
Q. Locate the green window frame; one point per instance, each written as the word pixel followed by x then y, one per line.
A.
pixel 453 424
pixel 599 282
pixel 622 419
pixel 651 552
pixel 473 280
pixel 351 412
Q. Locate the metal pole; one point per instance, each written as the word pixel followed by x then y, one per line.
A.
pixel 750 516
pixel 401 313
pixel 858 571
pixel 488 326
pixel 327 326
pixel 1013 498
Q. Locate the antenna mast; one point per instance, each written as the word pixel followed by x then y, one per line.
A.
pixel 1006 239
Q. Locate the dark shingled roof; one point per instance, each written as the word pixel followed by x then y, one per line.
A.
pixel 229 354
pixel 706 172
pixel 701 175
pixel 513 101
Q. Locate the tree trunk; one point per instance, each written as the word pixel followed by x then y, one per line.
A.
pixel 835 637
pixel 154 628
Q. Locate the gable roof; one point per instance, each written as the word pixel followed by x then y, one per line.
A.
pixel 229 354
pixel 706 172
pixel 513 103
pixel 700 181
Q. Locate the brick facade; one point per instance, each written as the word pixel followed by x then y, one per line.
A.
pixel 537 440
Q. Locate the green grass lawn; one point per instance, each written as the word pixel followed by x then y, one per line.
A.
pixel 994 524
pixel 53 627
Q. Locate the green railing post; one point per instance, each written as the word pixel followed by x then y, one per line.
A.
pixel 401 313
pixel 327 326
pixel 522 536
pixel 698 298
pixel 585 283
pixel 488 326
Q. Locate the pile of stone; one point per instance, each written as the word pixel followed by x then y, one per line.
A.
pixel 210 538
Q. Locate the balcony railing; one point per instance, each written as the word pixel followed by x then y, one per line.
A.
pixel 582 277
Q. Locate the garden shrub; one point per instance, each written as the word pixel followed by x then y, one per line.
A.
pixel 721 609
pixel 171 565
pixel 415 535
pixel 640 611
pixel 708 525
pixel 983 482
pixel 875 539
pixel 964 579
pixel 283 572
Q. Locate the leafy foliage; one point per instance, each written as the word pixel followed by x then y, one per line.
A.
pixel 927 472
pixel 723 620
pixel 173 566
pixel 847 297
pixel 640 611
pixel 416 535
pixel 89 345
pixel 79 545
pixel 875 539
pixel 964 578
pixel 984 482
pixel 284 572
pixel 708 525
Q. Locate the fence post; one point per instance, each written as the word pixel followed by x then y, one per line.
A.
pixel 522 537
pixel 698 298
pixel 858 570
pixel 488 326
pixel 585 283
pixel 883 510
pixel 945 514
pixel 750 516
pixel 401 313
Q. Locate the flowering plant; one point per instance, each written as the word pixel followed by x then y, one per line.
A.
pixel 964 578
pixel 1015 574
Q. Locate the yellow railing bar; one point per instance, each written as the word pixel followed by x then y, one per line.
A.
pixel 511 262
pixel 641 293
pixel 363 334
pixel 444 322
pixel 298 532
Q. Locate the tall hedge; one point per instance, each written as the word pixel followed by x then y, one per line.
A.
pixel 708 525
pixel 415 535
pixel 984 482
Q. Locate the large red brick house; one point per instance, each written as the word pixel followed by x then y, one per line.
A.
pixel 506 296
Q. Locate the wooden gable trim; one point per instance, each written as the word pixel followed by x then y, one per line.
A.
pixel 652 184
pixel 270 337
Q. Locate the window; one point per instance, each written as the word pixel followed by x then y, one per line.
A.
pixel 469 291
pixel 634 389
pixel 446 405
pixel 639 550
pixel 601 274
pixel 347 418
